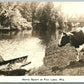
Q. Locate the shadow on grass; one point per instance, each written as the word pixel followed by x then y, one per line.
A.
pixel 73 64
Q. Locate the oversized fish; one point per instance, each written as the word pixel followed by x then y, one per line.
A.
pixel 14 64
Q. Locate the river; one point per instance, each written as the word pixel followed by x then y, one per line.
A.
pixel 16 44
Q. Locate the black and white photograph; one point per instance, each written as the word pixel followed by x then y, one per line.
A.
pixel 41 38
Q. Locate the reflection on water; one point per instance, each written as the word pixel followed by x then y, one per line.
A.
pixel 20 43
pixel 5 34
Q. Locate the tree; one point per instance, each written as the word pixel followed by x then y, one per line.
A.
pixel 26 11
pixel 15 15
pixel 33 7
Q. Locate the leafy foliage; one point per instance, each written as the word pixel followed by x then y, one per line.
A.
pixel 16 15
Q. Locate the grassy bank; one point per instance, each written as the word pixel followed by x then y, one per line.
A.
pixel 60 61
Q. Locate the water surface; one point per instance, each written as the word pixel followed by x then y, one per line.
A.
pixel 16 44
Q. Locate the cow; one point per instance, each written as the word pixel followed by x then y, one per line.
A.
pixel 75 38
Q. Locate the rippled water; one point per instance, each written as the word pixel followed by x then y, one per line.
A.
pixel 21 43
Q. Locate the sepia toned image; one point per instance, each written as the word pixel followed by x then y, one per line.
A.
pixel 41 38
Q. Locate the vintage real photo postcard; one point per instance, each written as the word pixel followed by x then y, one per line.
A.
pixel 42 40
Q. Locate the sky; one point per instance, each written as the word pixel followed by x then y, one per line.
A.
pixel 71 8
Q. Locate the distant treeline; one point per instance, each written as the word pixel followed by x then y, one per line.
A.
pixel 42 17
pixel 18 14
